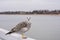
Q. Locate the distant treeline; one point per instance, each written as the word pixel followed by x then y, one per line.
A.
pixel 33 12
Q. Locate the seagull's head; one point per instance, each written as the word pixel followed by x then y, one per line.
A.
pixel 28 18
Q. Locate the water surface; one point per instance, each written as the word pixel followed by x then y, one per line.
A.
pixel 44 27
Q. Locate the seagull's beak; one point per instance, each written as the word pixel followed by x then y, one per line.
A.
pixel 28 18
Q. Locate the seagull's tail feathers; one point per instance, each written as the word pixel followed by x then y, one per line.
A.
pixel 8 33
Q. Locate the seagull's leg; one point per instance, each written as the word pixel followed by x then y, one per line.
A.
pixel 23 36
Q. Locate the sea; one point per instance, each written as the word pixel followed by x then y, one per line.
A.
pixel 43 27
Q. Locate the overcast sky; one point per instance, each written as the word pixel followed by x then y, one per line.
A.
pixel 29 5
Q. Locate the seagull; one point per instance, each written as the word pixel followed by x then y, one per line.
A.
pixel 21 27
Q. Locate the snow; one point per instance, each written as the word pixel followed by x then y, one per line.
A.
pixel 13 36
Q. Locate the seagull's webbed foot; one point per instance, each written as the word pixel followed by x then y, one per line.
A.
pixel 23 36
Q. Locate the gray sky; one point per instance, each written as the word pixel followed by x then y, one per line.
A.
pixel 29 5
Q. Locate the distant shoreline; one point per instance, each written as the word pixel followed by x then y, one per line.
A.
pixel 34 12
pixel 29 14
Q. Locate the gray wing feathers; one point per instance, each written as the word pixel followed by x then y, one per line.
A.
pixel 18 27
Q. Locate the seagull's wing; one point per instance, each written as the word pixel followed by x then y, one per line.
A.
pixel 22 24
pixel 18 27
